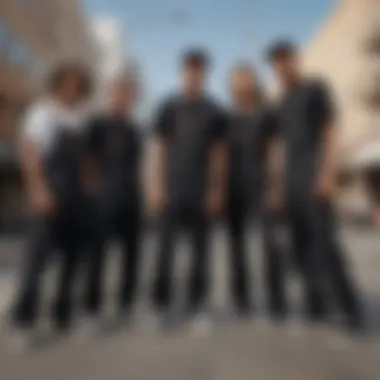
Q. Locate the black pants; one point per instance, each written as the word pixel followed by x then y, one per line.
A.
pixel 319 257
pixel 197 224
pixel 64 233
pixel 237 222
pixel 274 263
pixel 239 269
pixel 124 224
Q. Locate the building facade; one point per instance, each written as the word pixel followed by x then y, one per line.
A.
pixel 34 35
pixel 109 38
pixel 346 52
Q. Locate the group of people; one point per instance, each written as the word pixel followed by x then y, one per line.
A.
pixel 86 188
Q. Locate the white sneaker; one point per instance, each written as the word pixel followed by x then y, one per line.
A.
pixel 201 325
pixel 21 341
pixel 263 323
pixel 89 327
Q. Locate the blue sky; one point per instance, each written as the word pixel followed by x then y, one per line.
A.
pixel 231 30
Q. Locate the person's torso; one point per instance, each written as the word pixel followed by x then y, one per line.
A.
pixel 192 135
pixel 63 153
pixel 119 160
pixel 247 143
pixel 301 132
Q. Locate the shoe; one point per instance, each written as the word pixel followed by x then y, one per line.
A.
pixel 21 340
pixel 158 318
pixel 356 325
pixel 200 321
pixel 62 318
pixel 243 310
pixel 316 312
pixel 124 318
pixel 90 326
pixel 278 315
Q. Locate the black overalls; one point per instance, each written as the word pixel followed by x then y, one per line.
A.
pixel 304 112
pixel 115 144
pixel 248 137
pixel 64 231
pixel 190 129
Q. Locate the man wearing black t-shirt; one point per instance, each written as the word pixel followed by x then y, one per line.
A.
pixel 308 127
pixel 190 179
pixel 53 164
pixel 114 143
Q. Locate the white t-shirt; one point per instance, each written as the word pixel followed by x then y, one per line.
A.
pixel 44 119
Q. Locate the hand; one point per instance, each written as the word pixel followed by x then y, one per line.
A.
pixel 274 200
pixel 214 204
pixel 326 185
pixel 157 201
pixel 43 201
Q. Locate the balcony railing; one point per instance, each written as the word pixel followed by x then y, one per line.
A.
pixel 372 35
pixel 370 86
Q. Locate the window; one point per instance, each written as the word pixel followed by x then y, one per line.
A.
pixel 4 38
pixel 14 49
pixel 3 35
pixel 372 35
pixel 24 3
pixel 19 53
pixel 38 71
pixel 376 67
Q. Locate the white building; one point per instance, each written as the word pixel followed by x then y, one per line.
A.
pixel 109 37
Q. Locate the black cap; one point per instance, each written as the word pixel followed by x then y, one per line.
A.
pixel 196 57
pixel 280 49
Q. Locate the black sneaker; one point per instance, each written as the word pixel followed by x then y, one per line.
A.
pixel 21 340
pixel 278 313
pixel 62 326
pixel 243 310
pixel 316 312
pixel 356 325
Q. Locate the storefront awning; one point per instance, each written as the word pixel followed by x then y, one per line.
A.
pixel 8 155
pixel 368 155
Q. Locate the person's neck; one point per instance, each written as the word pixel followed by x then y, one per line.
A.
pixel 120 114
pixel 61 101
pixel 293 82
pixel 246 106
pixel 192 95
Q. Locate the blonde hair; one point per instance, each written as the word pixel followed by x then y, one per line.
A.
pixel 257 90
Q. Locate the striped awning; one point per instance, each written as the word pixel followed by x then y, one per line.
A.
pixel 8 154
pixel 368 155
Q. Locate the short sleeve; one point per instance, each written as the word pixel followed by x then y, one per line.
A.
pixel 271 123
pixel 220 124
pixel 138 142
pixel 37 127
pixel 162 123
pixel 323 105
pixel 94 135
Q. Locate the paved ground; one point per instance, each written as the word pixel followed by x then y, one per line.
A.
pixel 232 350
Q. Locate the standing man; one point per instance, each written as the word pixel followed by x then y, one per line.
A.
pixel 308 126
pixel 190 179
pixel 53 165
pixel 250 129
pixel 115 146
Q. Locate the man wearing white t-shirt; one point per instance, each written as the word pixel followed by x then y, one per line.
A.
pixel 52 158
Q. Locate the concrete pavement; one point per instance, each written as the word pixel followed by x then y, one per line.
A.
pixel 232 350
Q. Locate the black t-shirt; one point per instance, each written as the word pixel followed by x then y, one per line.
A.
pixel 248 138
pixel 304 112
pixel 190 128
pixel 116 144
pixel 58 133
